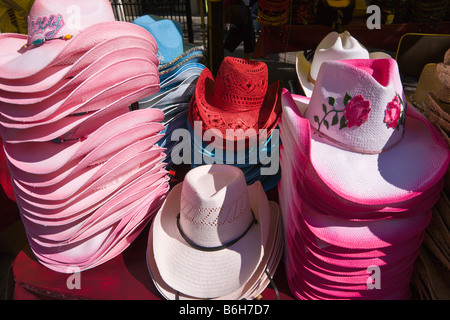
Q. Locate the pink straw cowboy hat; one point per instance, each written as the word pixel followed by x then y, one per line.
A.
pixel 358 113
pixel 53 77
pixel 57 31
pixel 78 179
pixel 48 157
pixel 53 214
pixel 104 82
pixel 79 125
pixel 334 46
pixel 65 230
pixel 105 243
pixel 106 215
pixel 133 160
pixel 208 235
pixel 110 62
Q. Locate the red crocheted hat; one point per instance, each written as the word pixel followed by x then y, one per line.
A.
pixel 239 98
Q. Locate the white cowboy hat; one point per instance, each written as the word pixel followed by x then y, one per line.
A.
pixel 335 46
pixel 208 235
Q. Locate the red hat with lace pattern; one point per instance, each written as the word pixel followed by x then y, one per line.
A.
pixel 239 98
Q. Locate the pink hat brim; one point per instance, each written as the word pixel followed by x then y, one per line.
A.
pixel 417 163
pixel 51 78
pixel 16 62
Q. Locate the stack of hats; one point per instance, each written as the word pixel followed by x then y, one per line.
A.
pixel 431 276
pixel 86 172
pixel 437 104
pixel 361 170
pixel 234 120
pixel 180 65
pixel 215 237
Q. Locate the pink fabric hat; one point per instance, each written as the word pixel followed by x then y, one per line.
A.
pixel 361 118
pixel 43 158
pixel 103 217
pixel 56 214
pixel 126 158
pixel 57 31
pixel 205 240
pixel 104 83
pixel 54 77
pixel 78 126
pixel 95 177
pixel 105 244
pixel 103 68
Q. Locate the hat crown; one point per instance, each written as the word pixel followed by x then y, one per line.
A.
pixel 240 84
pixel 214 207
pixel 167 33
pixel 51 19
pixel 358 104
pixel 337 46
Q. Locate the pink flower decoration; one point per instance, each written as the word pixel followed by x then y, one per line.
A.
pixel 392 113
pixel 357 110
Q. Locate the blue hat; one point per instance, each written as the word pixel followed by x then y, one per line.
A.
pixel 168 35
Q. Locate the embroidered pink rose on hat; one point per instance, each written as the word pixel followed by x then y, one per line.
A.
pixel 393 113
pixel 356 111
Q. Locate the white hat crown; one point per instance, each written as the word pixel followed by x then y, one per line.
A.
pixel 337 46
pixel 359 104
pixel 214 207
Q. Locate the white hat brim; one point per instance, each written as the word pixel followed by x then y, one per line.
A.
pixel 303 67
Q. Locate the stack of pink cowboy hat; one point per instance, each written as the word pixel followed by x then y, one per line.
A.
pixel 361 170
pixel 86 173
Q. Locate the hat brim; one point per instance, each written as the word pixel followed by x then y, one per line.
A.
pixel 62 74
pixel 125 162
pixel 102 246
pixel 400 173
pixel 106 83
pixel 48 157
pixel 90 120
pixel 302 68
pixel 53 213
pixel 66 230
pixel 207 274
pixel 191 54
pixel 16 62
pixel 109 213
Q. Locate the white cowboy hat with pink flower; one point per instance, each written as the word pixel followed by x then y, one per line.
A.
pixel 367 144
